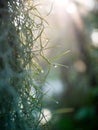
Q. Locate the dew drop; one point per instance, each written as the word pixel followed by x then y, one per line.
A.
pixel 47 40
pixel 42 71
pixel 55 66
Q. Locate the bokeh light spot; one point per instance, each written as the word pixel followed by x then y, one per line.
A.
pixel 45 116
pixel 94 37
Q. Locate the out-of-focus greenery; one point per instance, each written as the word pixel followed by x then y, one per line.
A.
pixel 82 94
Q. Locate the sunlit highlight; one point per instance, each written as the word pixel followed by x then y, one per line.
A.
pixel 71 8
pixel 89 4
pixel 62 2
pixel 66 5
pixel 94 37
pixel 45 116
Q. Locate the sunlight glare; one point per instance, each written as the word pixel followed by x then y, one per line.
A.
pixel 61 2
pixel 94 37
pixel 89 4
pixel 71 8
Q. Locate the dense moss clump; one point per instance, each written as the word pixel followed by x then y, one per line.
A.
pixel 21 27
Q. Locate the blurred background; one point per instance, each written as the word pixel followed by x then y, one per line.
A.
pixel 71 90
